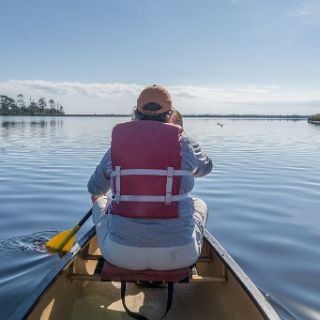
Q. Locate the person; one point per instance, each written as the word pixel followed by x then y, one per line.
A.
pixel 150 222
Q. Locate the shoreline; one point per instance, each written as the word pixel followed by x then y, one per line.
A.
pixel 314 122
pixel 229 116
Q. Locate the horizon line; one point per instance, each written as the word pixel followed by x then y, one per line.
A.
pixel 195 115
pixel 202 115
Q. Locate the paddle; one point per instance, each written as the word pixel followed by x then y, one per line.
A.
pixel 64 241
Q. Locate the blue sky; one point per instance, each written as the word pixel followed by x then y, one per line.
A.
pixel 215 56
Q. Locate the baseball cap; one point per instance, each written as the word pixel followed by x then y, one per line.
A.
pixel 155 94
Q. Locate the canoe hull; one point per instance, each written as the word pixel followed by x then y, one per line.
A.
pixel 220 291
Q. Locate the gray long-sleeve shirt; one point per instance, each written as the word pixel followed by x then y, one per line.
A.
pixel 155 232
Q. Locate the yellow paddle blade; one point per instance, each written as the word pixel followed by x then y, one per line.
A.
pixel 54 243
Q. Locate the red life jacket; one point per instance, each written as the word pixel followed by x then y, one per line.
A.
pixel 146 163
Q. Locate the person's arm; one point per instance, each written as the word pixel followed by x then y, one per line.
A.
pixel 201 163
pixel 99 183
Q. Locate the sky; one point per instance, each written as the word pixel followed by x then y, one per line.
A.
pixel 214 56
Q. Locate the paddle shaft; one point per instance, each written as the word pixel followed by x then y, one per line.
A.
pixel 74 230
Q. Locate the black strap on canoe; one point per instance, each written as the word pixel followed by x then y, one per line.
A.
pixel 138 316
pixel 169 299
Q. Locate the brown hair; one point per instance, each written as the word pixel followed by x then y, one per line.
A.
pixel 162 117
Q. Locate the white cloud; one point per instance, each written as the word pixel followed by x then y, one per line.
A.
pixel 72 88
pixel 120 97
pixel 308 12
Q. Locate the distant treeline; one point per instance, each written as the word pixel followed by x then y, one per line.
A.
pixel 9 106
pixel 315 117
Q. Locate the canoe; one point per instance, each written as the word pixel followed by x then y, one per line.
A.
pixel 73 290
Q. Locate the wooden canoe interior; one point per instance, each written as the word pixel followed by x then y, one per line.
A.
pixel 213 294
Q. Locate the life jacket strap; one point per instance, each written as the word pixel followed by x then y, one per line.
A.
pixel 149 172
pixel 118 172
pixel 136 198
pixel 169 183
pixel 167 199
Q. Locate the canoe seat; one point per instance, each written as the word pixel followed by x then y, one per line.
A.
pixel 110 272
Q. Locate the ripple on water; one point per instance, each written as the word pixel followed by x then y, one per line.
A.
pixel 263 198
pixel 34 242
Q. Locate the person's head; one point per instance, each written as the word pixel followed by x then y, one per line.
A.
pixel 154 103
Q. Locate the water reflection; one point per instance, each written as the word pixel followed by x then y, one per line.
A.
pixel 13 129
pixel 263 197
pixel 33 123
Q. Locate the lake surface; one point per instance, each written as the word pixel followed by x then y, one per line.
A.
pixel 263 196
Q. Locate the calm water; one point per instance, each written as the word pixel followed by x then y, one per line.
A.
pixel 263 197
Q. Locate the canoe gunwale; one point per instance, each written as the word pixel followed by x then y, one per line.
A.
pixel 24 310
pixel 255 294
pixel 262 304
